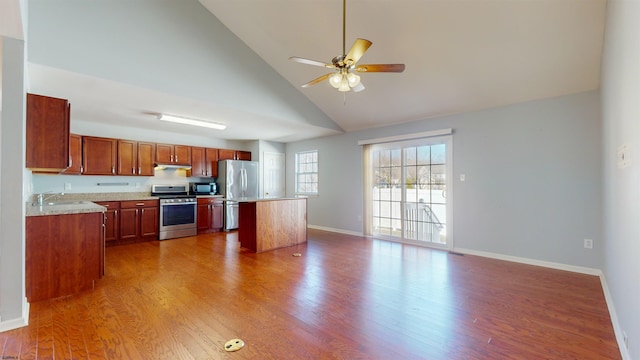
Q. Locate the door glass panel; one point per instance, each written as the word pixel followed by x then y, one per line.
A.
pixel 409 191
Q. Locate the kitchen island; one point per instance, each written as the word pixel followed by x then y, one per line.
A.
pixel 268 224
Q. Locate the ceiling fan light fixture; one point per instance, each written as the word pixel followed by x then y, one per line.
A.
pixel 335 80
pixel 194 122
pixel 353 80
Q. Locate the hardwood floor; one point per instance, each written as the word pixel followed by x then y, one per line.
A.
pixel 346 297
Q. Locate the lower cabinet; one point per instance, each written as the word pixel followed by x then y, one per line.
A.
pixel 64 254
pixel 209 215
pixel 111 221
pixel 127 222
pixel 139 221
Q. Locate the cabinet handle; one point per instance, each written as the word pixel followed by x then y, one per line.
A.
pixel 133 171
pixel 107 205
pixel 139 170
pixel 113 170
pixel 176 158
pixel 140 204
pixel 171 158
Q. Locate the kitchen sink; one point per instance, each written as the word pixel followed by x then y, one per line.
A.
pixel 77 202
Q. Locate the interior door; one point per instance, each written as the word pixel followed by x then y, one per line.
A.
pixel 273 175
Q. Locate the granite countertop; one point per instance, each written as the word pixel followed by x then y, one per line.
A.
pixel 63 204
pixel 63 208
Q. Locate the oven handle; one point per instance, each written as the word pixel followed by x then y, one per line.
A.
pixel 177 204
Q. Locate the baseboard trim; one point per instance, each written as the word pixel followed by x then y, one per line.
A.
pixel 617 329
pixel 339 231
pixel 17 323
pixel 547 264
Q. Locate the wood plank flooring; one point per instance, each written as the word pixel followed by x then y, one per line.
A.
pixel 346 297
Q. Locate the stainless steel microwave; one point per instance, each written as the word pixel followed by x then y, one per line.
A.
pixel 200 188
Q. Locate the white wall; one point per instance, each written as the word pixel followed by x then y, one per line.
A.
pixel 621 119
pixel 12 135
pixel 533 183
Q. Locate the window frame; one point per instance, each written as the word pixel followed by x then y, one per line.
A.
pixel 299 172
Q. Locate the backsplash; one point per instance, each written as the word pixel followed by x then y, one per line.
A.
pixel 69 184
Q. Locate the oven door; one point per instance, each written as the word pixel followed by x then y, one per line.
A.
pixel 177 216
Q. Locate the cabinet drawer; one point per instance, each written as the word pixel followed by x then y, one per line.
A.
pixel 203 201
pixel 138 203
pixel 110 205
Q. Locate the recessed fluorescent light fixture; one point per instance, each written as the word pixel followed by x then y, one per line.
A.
pixel 188 121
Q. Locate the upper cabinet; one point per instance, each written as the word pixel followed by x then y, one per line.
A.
pixel 99 155
pixel 135 158
pixel 75 155
pixel 204 162
pixel 173 154
pixel 224 154
pixel 47 131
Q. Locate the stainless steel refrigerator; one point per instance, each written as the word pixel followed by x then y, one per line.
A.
pixel 237 180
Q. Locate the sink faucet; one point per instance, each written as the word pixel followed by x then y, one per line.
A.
pixel 42 198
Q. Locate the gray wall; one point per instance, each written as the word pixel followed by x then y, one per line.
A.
pixel 621 119
pixel 532 189
pixel 158 44
pixel 12 136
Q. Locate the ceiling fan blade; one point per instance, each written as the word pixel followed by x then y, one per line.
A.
pixel 357 50
pixel 317 80
pixel 397 68
pixel 311 62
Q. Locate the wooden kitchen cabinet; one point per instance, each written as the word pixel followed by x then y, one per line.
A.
pixel 173 154
pixel 243 155
pixel 75 155
pixel 64 254
pixel 47 133
pixel 225 154
pixel 111 221
pixel 99 155
pixel 135 158
pixel 139 220
pixel 210 212
pixel 204 162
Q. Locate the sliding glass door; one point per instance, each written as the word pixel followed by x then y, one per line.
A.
pixel 409 190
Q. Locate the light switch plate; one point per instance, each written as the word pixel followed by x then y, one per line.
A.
pixel 624 156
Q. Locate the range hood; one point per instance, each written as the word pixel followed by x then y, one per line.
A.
pixel 159 166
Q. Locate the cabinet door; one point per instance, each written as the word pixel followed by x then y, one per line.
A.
pixel 98 155
pixel 211 162
pixel 164 154
pixel 243 155
pixel 182 154
pixel 127 157
pixel 47 133
pixel 112 223
pixel 129 224
pixel 75 155
pixel 149 217
pixel 198 162
pixel 224 154
pixel 203 216
pixel 146 161
pixel 216 216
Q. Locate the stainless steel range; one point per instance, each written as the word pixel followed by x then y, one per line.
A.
pixel 178 217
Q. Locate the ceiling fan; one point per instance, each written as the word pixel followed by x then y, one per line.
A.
pixel 344 78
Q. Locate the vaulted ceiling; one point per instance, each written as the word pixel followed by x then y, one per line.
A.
pixel 460 56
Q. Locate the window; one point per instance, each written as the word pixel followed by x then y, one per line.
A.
pixel 307 172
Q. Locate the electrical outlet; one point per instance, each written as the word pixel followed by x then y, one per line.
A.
pixel 67 186
pixel 588 243
pixel 625 339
